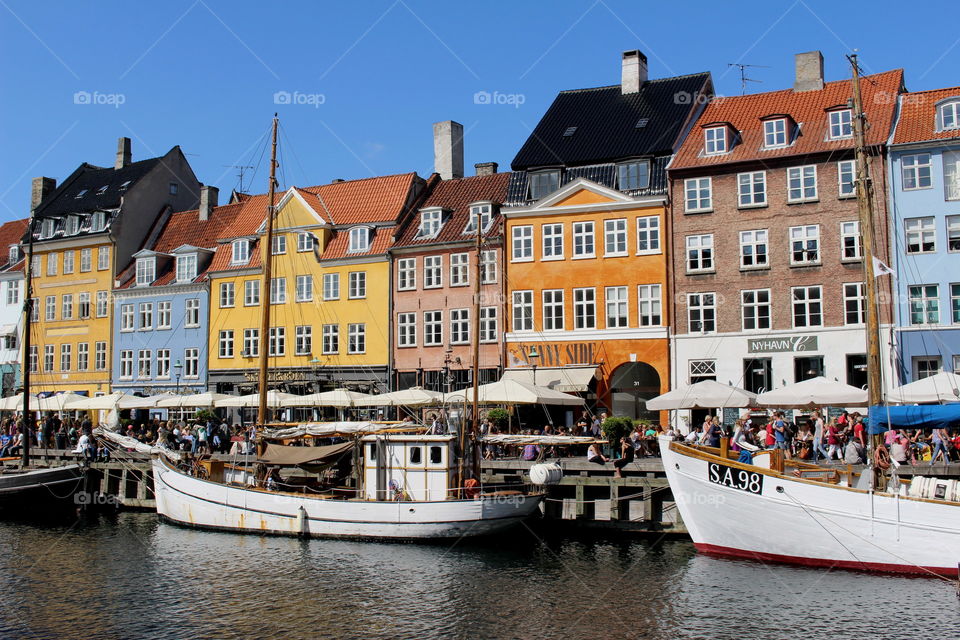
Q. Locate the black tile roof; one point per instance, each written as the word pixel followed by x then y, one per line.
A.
pixel 605 174
pixel 88 179
pixel 606 123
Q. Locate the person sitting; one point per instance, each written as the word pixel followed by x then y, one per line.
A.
pixel 531 452
pixel 853 452
pixel 595 456
pixel 626 456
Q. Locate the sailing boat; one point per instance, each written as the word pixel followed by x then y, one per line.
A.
pixel 412 485
pixel 792 512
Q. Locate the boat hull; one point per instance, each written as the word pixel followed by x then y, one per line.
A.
pixel 758 514
pixel 194 502
pixel 26 493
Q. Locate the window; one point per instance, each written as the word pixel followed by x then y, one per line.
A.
pixel 432 328
pixel 35 264
pixel 48 356
pixel 702 312
pixel 840 125
pixel 304 288
pixel 775 133
pixel 163 314
pixel 67 262
pixel 66 351
pixel 251 293
pixel 51 264
pixel 802 183
pixel 700 253
pixel 225 343
pixel 103 258
pixel 34 309
pixel 921 235
pixel 615 237
pixel 857 370
pixel 46 228
pixel 757 374
pixel 146 316
pixel 650 305
pixel 752 188
pixel 126 317
pixel 14 255
pixel 753 249
pixel 484 213
pixel 755 309
pixel 83 305
pixel 303 336
pixel 86 260
pixel 553 309
pixel 805 245
pixel 278 290
pixel 191 363
pixel 585 308
pixel 488 267
pixel 13 292
pixel 523 310
pixel 100 356
pixel 552 238
pixel 279 245
pixel 714 140
pixel 331 339
pixel 698 195
pixel 701 370
pixel 241 252
pixel 406 329
pixel 926 366
pixel 98 221
pixel 83 356
pixel 251 343
pixel 854 303
pixel 432 272
pixel 459 270
pixel 583 239
pixel 174 187
pixel 916 171
pixel 924 304
pixel 616 304
pixel 357 284
pixel 430 221
pixel 146 271
pixel 648 234
pixel 522 243
pixel 847 178
pixel 949 113
pixel 227 294
pixel 143 363
pixel 850 247
pixel 356 338
pixel 359 239
pixel 459 326
pixel 331 286
pixel 50 311
pixel 163 363
pixel 407 274
pixel 102 304
pixel 192 313
pixel 543 183
pixel 489 331
pixel 186 268
pixel 807 367
pixel 277 338
pixel 305 241
pixel 633 175
pixel 126 363
pixel 951 174
pixel 807 307
pixel 955 309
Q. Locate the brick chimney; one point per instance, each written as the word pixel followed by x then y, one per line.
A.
pixel 40 189
pixel 486 168
pixel 123 153
pixel 633 71
pixel 208 201
pixel 809 71
pixel 448 149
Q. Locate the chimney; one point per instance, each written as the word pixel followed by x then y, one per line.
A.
pixel 208 201
pixel 633 71
pixel 809 71
pixel 486 168
pixel 448 149
pixel 123 153
pixel 40 189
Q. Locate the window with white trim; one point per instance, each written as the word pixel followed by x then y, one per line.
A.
pixel 488 267
pixel 648 234
pixel 854 303
pixel 49 355
pixel 241 252
pixel 701 370
pixel 227 294
pixel 331 286
pixel 482 211
pixel 432 272
pixel 50 309
pixel 66 353
pixel 225 344
pixel 191 363
pixel 805 245
pixel 850 241
pixel 802 183
pixel 406 329
pixel 552 309
pixel 702 312
pixel 66 307
pixel 633 175
pixel 585 308
pixel 146 316
pixel 13 292
pixel 251 293
pixel 103 258
pixel 357 285
pixel 615 237
pixel 615 299
pixel 68 262
pixel 72 225
pixel 86 260
pixel 278 290
pixel 277 341
pixel 755 309
pixel 164 309
pixel 955 308
pixel 921 234
pixel 430 221
pixel 192 315
pixel 949 115
pixel 926 366
pixel 305 241
pixel 144 358
pixel 100 356
pixel 459 269
pixel 924 304
pixel 752 189
pixel 775 133
pixel 807 307
pixel 459 326
pixel 916 171
pixel 146 271
pixel 700 253
pixel 359 240
pixel 951 174
pixel 331 339
pixel 542 183
pixel 186 267
pixel 714 140
pixel 303 340
pixel 840 124
pixel 357 338
pixel 650 305
pixel 34 358
pixel 953 234
pixel 305 288
pixel 52 261
pixel 83 356
pixel 279 245
pixel 522 310
pixel 98 222
pixel 127 322
pixel 102 304
pixel 583 239
pixel 753 249
pixel 14 255
pixel 406 274
pixel 432 328
pixel 46 228
pixel 489 330
pixel 699 196
pixel 126 363
pixel 847 178
pixel 251 343
pixel 552 240
pixel 522 242
pixel 34 309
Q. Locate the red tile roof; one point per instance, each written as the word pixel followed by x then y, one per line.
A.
pixel 11 233
pixel 379 199
pixel 918 113
pixel 808 108
pixel 337 248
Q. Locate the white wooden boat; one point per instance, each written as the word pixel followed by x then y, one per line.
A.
pixel 754 512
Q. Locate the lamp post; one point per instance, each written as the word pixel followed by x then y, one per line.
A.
pixel 315 365
pixel 532 358
pixel 446 369
pixel 177 368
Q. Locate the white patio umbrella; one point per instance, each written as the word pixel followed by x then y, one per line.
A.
pixel 15 403
pixel 508 391
pixel 707 394
pixel 59 402
pixel 150 402
pixel 412 397
pixel 340 398
pixel 205 400
pixel 812 393
pixel 942 387
pixel 105 403
pixel 275 400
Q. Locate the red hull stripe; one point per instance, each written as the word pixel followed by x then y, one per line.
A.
pixel 874 567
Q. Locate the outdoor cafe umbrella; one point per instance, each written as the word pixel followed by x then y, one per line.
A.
pixel 412 397
pixel 813 393
pixel 15 403
pixel 58 402
pixel 510 392
pixel 275 400
pixel 942 387
pixel 707 394
pixel 205 400
pixel 340 398
pixel 105 403
pixel 137 402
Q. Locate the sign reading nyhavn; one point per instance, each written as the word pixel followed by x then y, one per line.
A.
pixel 789 343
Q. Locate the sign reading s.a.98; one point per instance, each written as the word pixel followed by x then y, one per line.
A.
pixel 741 479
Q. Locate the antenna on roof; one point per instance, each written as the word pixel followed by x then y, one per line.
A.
pixel 743 75
pixel 240 169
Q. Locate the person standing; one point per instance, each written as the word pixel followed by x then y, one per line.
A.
pixel 939 442
pixel 818 449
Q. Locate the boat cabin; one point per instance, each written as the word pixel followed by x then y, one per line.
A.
pixel 408 467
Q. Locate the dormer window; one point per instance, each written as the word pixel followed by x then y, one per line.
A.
pixel 146 271
pixel 73 225
pixel 633 175
pixel 359 239
pixel 46 228
pixel 949 115
pixel 15 254
pixel 102 190
pixel 775 133
pixel 123 187
pixel 98 222
pixel 542 183
pixel 241 251
pixel 485 214
pixel 305 241
pixel 715 141
pixel 430 221
pixel 80 194
pixel 187 267
pixel 840 124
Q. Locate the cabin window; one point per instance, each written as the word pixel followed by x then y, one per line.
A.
pixel 416 455
pixel 372 452
pixel 436 455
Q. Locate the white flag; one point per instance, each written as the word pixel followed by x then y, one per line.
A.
pixel 880 269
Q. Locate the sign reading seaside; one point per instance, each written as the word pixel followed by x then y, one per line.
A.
pixel 774 345
pixel 735 478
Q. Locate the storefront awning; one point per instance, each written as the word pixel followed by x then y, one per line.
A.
pixel 8 329
pixel 566 379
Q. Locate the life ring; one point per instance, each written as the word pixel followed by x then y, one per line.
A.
pixel 471 488
pixel 881 458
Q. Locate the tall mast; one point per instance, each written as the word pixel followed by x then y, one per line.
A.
pixel 865 208
pixel 27 340
pixel 475 431
pixel 266 258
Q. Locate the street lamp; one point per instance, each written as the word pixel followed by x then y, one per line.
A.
pixel 532 358
pixel 177 368
pixel 446 369
pixel 315 365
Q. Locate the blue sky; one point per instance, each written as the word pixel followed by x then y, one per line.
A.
pixel 367 79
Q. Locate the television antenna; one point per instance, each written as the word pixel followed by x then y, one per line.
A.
pixel 241 168
pixel 743 74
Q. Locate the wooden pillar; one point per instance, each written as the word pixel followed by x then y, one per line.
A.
pixel 581 500
pixel 614 500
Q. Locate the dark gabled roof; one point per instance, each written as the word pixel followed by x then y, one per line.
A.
pixel 606 123
pixel 605 174
pixel 92 178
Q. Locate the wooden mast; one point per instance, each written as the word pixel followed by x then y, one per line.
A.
pixel 475 417
pixel 266 259
pixel 27 341
pixel 864 188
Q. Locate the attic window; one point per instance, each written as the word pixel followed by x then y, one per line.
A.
pixel 641 123
pixel 948 114
pixel 98 221
pixel 840 125
pixel 46 228
pixel 81 193
pixel 775 133
pixel 430 221
pixel 359 239
pixel 123 187
pixel 715 140
pixel 569 132
pixel 542 183
pixel 73 225
pixel 484 212
pixel 146 271
pixel 633 175
pixel 241 251
pixel 102 190
pixel 14 253
pixel 186 267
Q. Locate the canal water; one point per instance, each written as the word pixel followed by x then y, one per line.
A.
pixel 131 576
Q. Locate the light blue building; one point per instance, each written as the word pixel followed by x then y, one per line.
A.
pixel 925 227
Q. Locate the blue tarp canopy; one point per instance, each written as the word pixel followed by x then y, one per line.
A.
pixel 924 416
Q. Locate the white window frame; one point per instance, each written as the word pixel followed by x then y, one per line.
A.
pixel 616 307
pixel 552 300
pixel 66 306
pixel 145 316
pixel 103 258
pixel 331 286
pixel 648 235
pixel 100 356
pixel 854 301
pixel 951 174
pixel 802 184
pixel 191 313
pixel 699 253
pixel 584 240
pixel 460 326
pixel 485 214
pixel 279 245
pixel 68 262
pixel 928 301
pixel 916 174
pixel 83 356
pixel 920 232
pixel 357 338
pixel 522 314
pixel 240 251
pixel 144 364
pixel 330 339
pixel 127 318
pixel 800 238
pixel 714 141
pixel 775 133
pixel 225 344
pixel 126 364
pixel 228 295
pixel 542 183
pixel 754 239
pixel 521 241
pixel 305 241
pixel 277 342
pixel 625 179
pixel 406 274
pixel 103 304
pixel 146 271
pixel 850 235
pixel 698 195
pixel 459 269
pixel 304 288
pixel 432 272
pixel 86 260
pixel 847 188
pixel 840 124
pixel 278 290
pixel 406 329
pixel 948 115
pixel 650 305
pixel 187 267
pixel 702 311
pixel 552 242
pixel 251 343
pixel 489 325
pixel 356 285
pixel 585 307
pixel 164 314
pixel 52 261
pixel 615 234
pixel 359 240
pixel 303 340
pixel 431 220
pixel 953 233
pixel 806 306
pixel 751 189
pixel 433 328
pixel 755 309
pixel 191 363
pixel 488 267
